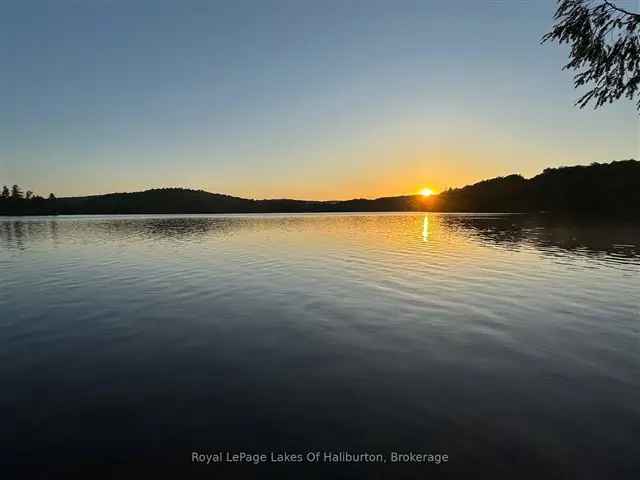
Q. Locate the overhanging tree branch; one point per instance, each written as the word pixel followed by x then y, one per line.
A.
pixel 604 48
pixel 621 10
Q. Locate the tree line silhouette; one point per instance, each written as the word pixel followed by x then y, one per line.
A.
pixel 14 201
pixel 598 189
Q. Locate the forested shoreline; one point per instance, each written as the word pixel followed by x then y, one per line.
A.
pixel 599 189
pixel 15 201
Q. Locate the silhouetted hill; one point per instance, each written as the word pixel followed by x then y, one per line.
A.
pixel 611 189
pixel 182 200
pixel 161 200
pixel 602 188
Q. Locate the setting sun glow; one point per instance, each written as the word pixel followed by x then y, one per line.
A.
pixel 426 192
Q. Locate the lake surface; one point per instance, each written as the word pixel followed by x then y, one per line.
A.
pixel 510 343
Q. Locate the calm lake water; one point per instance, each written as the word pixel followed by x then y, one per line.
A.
pixel 510 343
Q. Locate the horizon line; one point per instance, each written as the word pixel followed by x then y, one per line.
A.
pixel 414 194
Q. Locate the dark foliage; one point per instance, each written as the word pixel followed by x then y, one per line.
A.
pixel 600 188
pixel 605 48
pixel 15 202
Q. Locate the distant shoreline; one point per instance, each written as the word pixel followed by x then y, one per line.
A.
pixel 178 214
pixel 598 189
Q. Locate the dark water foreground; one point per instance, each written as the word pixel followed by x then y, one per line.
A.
pixel 511 344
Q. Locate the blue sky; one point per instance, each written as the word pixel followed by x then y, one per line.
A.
pixel 300 99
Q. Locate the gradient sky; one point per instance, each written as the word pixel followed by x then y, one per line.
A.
pixel 303 99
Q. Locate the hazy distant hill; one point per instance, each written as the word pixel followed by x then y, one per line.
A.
pixel 181 200
pixel 612 188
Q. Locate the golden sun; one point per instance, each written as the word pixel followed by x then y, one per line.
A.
pixel 426 192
